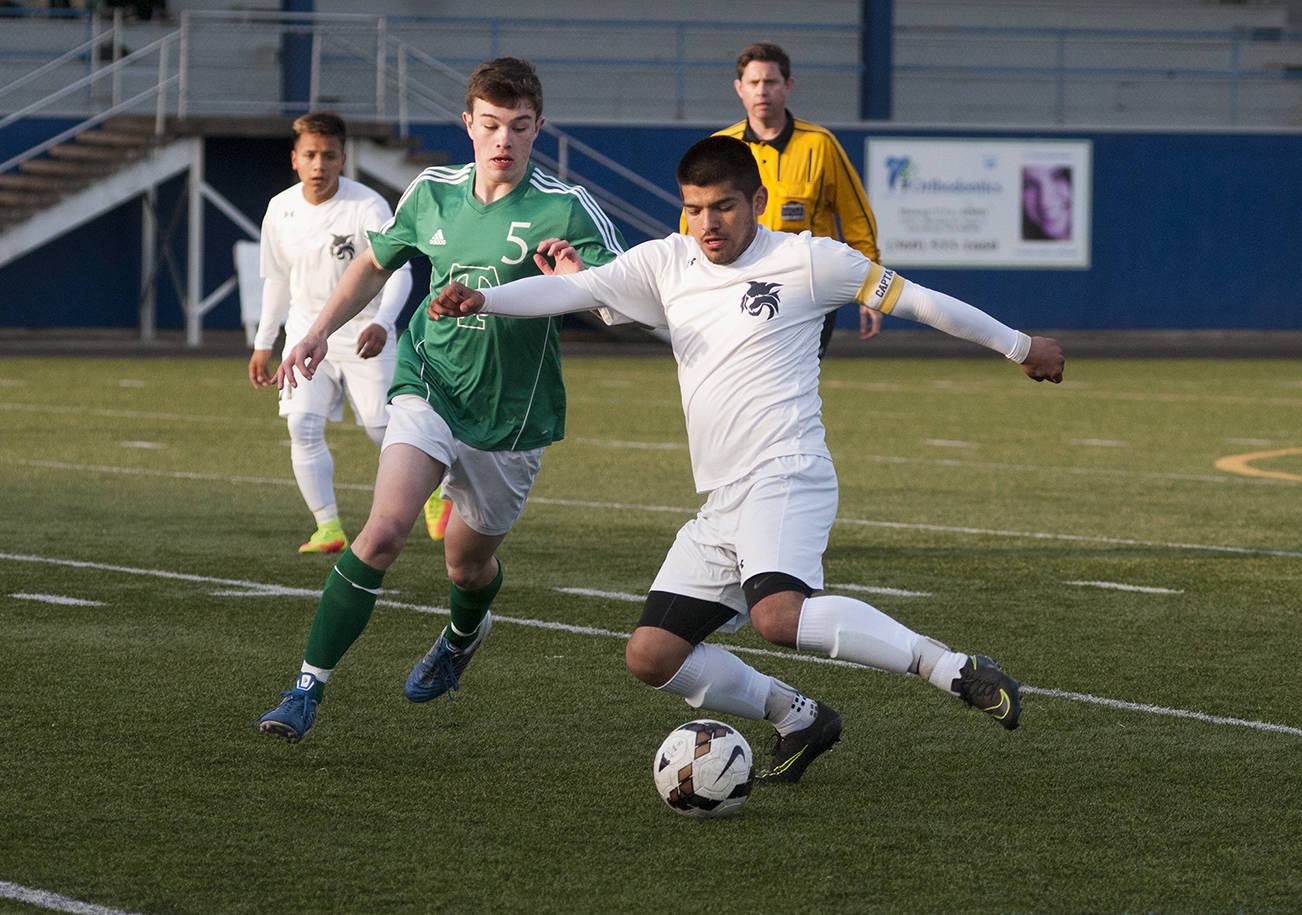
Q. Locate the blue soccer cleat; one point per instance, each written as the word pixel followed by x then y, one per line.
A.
pixel 293 718
pixel 440 670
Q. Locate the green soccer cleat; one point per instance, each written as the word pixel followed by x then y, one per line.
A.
pixel 329 538
pixel 982 684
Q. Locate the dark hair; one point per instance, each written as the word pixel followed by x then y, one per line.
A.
pixel 766 51
pixel 716 160
pixel 506 81
pixel 322 123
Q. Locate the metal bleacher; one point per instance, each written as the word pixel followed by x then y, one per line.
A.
pixel 131 98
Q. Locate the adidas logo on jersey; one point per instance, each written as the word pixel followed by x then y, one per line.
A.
pixel 437 238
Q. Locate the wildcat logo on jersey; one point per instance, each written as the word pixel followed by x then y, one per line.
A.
pixel 761 299
pixel 341 248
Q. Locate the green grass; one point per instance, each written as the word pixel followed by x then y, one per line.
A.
pixel 130 779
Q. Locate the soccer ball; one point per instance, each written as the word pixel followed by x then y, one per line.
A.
pixel 704 769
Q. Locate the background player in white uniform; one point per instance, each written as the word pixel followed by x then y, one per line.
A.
pixel 744 306
pixel 310 234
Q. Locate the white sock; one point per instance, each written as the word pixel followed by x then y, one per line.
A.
pixel 787 709
pixel 320 673
pixel 716 679
pixel 843 627
pixel 945 671
pixel 314 468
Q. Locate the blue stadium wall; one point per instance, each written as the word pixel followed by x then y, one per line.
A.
pixel 1190 231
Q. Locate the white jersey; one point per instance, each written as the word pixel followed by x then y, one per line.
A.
pixel 745 334
pixel 308 247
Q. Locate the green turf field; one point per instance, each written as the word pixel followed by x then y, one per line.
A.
pixel 153 603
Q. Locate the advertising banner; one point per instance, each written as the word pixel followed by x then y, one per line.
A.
pixel 980 203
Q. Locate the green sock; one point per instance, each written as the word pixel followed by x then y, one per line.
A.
pixel 468 609
pixel 343 611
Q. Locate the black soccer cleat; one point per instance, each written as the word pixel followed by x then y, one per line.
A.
pixel 981 684
pixel 793 753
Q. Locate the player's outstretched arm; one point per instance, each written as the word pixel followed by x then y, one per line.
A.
pixel 361 282
pixel 1045 360
pixel 1040 357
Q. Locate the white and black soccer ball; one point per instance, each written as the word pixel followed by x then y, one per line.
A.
pixel 704 769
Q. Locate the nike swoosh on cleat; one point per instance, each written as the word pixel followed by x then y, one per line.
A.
pixel 1001 708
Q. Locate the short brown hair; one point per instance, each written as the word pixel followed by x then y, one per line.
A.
pixel 506 81
pixel 322 123
pixel 766 51
pixel 719 160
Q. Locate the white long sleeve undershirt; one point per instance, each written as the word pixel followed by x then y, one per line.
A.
pixel 553 295
pixel 275 306
pixel 393 297
pixel 959 319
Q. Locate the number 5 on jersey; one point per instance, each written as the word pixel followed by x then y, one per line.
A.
pixel 518 242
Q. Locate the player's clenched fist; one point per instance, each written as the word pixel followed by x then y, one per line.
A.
pixel 455 300
pixel 1044 362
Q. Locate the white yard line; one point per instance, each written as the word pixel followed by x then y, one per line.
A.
pixel 263 588
pixel 58 599
pixel 608 595
pixel 878 589
pixel 53 901
pixel 132 414
pixel 867 589
pixel 673 509
pixel 1118 586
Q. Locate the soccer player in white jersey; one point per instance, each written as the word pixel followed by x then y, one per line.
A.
pixel 743 306
pixel 473 403
pixel 310 234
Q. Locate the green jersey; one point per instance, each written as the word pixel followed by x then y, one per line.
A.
pixel 495 381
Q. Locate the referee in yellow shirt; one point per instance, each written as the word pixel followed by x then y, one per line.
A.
pixel 810 180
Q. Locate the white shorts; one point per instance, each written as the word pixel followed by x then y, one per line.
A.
pixel 365 382
pixel 774 519
pixel 488 488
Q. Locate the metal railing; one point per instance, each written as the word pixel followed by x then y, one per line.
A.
pixel 412 90
pixel 405 84
pixel 241 62
pixel 157 93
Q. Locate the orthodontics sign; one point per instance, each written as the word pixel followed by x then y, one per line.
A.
pixel 980 203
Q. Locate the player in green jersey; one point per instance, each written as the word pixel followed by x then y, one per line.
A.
pixel 474 402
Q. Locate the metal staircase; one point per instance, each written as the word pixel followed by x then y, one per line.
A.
pixel 43 196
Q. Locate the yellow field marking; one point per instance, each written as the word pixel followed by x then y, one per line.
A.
pixel 1242 464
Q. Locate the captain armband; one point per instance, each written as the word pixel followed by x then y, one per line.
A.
pixel 881 290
